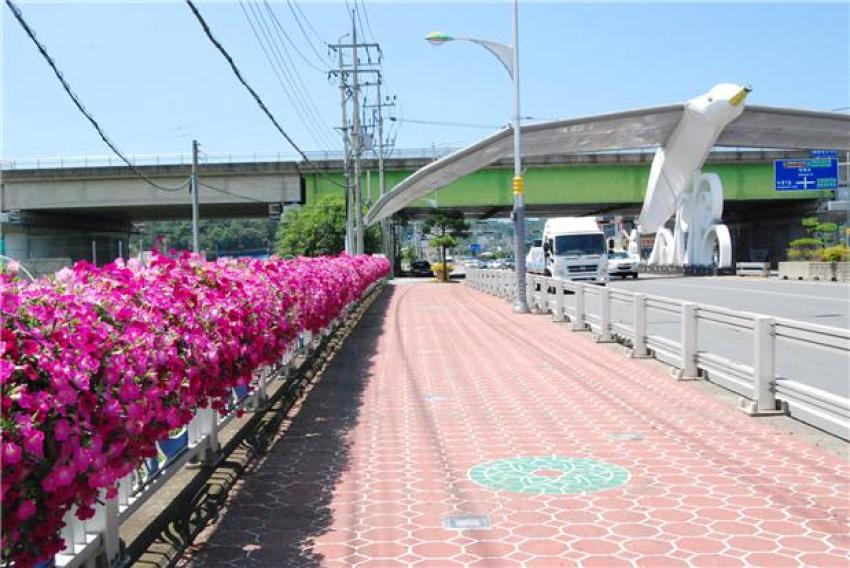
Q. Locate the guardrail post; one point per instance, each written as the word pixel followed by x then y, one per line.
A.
pixel 604 335
pixel 579 323
pixel 261 398
pixel 209 427
pixel 689 368
pixel 558 313
pixel 639 350
pixel 764 361
pixel 110 532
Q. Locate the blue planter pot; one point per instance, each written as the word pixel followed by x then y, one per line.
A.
pixel 173 445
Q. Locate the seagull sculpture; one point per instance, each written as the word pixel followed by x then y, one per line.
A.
pixel 677 185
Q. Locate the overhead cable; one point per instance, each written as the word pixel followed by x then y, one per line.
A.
pixel 292 43
pixel 292 8
pixel 254 94
pixel 288 85
pixel 311 105
pixel 78 103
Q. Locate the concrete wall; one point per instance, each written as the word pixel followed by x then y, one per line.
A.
pixel 39 194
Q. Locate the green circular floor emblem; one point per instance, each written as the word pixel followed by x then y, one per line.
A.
pixel 551 474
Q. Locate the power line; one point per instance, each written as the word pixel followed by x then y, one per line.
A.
pixel 439 123
pixel 368 23
pixel 254 94
pixel 292 43
pixel 78 103
pixel 288 86
pixel 319 119
pixel 304 32
pixel 231 193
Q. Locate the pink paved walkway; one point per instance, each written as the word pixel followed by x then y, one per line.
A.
pixel 438 379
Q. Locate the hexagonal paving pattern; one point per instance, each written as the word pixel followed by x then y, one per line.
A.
pixel 438 379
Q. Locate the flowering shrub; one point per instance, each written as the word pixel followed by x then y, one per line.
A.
pixel 97 364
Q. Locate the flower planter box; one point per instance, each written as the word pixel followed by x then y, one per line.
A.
pixel 824 271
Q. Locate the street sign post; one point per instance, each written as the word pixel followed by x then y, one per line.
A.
pixel 806 174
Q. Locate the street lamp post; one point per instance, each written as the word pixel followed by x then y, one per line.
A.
pixel 509 56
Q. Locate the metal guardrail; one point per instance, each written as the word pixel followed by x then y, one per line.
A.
pixel 752 269
pixel 433 153
pixel 763 390
pixel 96 541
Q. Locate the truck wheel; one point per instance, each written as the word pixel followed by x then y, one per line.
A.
pixel 635 275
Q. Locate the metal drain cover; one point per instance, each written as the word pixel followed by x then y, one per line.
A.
pixel 466 522
pixel 626 436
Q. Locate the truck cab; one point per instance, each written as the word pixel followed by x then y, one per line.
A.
pixel 574 249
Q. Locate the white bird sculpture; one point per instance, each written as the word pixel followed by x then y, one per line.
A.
pixel 676 185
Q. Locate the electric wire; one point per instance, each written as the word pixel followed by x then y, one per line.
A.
pixel 368 23
pixel 292 43
pixel 255 96
pixel 231 193
pixel 440 123
pixel 79 104
pixel 318 117
pixel 288 86
pixel 293 5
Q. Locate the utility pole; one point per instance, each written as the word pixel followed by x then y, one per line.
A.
pixel 352 67
pixel 343 94
pixel 356 139
pixel 193 188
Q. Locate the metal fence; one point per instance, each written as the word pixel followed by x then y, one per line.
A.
pixel 752 372
pixel 432 153
pixel 96 542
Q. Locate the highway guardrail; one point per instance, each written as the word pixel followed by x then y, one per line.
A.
pixel 764 392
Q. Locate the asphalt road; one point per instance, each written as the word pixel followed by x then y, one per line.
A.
pixel 818 303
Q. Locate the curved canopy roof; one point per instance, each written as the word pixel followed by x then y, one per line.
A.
pixel 757 127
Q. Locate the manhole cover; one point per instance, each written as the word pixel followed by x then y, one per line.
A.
pixel 461 522
pixel 626 436
pixel 551 474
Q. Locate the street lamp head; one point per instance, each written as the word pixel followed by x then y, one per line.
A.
pixel 438 38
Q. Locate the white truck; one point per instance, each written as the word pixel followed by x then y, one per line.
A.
pixel 572 248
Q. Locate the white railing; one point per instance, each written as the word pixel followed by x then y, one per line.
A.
pixel 751 374
pixel 96 542
pixel 432 153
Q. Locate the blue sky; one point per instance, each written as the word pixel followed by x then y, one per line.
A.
pixel 154 82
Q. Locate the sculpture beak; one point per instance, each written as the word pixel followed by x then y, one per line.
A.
pixel 740 96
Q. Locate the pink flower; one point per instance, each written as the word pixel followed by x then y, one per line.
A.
pixel 26 509
pixel 11 453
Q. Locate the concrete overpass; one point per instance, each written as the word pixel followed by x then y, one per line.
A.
pixel 61 211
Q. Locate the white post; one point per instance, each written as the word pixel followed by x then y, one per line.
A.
pixel 689 341
pixel 604 316
pixel 111 535
pixel 558 312
pixel 639 319
pixel 764 351
pixel 209 426
pixel 579 323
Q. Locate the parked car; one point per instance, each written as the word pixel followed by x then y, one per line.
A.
pixel 622 264
pixel 421 268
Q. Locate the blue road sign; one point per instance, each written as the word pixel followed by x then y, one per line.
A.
pixel 825 154
pixel 474 248
pixel 812 174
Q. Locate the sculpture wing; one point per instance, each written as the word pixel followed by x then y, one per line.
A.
pixel 770 127
pixel 644 128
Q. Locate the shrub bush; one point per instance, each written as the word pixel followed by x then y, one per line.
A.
pixel 98 364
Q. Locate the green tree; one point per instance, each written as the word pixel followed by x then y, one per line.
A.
pixel 319 229
pixel 447 227
pixel 216 237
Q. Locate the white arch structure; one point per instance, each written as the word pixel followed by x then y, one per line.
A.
pixel 653 127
